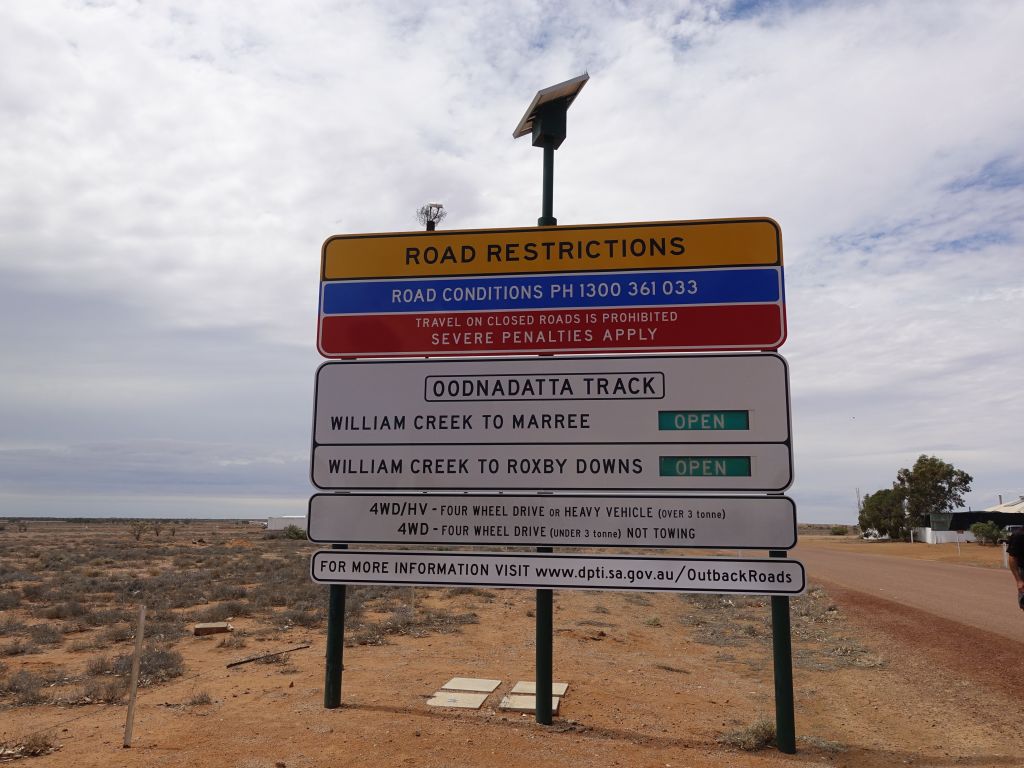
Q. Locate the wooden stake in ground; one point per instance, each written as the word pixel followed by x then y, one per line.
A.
pixel 136 660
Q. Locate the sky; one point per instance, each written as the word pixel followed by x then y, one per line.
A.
pixel 170 170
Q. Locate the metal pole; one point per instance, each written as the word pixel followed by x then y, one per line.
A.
pixel 335 643
pixel 544 621
pixel 545 648
pixel 547 218
pixel 782 653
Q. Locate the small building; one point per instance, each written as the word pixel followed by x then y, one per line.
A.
pixel 280 522
pixel 949 527
pixel 1011 507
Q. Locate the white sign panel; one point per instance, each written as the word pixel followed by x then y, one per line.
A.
pixel 735 398
pixel 623 467
pixel 610 572
pixel 734 522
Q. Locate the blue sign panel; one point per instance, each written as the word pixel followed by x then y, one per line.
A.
pixel 755 285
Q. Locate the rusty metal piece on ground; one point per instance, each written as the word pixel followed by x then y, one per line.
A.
pixel 265 656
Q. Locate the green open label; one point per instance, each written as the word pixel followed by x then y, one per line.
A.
pixel 703 421
pixel 704 466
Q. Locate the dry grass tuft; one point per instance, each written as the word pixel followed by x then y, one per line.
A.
pixel 33 745
pixel 829 747
pixel 757 736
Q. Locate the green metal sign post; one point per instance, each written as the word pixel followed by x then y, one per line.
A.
pixel 782 654
pixel 335 643
pixel 545 120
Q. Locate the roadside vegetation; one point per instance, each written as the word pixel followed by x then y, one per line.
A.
pixel 68 603
pixel 988 532
pixel 931 486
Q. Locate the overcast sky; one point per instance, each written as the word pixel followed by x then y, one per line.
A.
pixel 169 171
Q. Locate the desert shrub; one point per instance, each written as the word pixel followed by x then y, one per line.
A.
pixel 231 641
pixel 18 647
pixel 107 616
pixel 25 686
pixel 754 737
pixel 486 594
pixel 357 598
pixel 200 699
pixel 225 591
pixel 9 598
pixel 165 626
pixel 838 530
pixel 295 533
pixel 137 528
pixel 33 745
pixel 66 610
pixel 98 665
pixel 115 634
pixel 403 620
pixel 271 596
pixel 45 634
pixel 157 665
pixel 38 592
pixel 110 690
pixel 303 618
pixel 10 626
pixel 223 611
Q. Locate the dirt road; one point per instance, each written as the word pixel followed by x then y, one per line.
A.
pixel 977 597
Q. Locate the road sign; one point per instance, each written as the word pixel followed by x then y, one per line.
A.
pixel 678 286
pixel 608 572
pixel 737 398
pixel 576 467
pixel 733 522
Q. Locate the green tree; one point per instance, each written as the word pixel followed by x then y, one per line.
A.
pixel 930 486
pixel 882 511
pixel 987 533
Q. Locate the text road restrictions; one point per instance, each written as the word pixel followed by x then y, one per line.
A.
pixel 734 522
pixel 729 398
pixel 607 572
pixel 668 286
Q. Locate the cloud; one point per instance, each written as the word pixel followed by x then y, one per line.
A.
pixel 171 172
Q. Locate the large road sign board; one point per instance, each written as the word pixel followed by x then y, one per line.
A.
pixel 607 572
pixel 716 522
pixel 734 398
pixel 695 423
pixel 669 286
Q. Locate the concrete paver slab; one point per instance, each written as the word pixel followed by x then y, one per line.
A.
pixel 524 703
pixel 476 684
pixel 457 700
pixel 528 686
